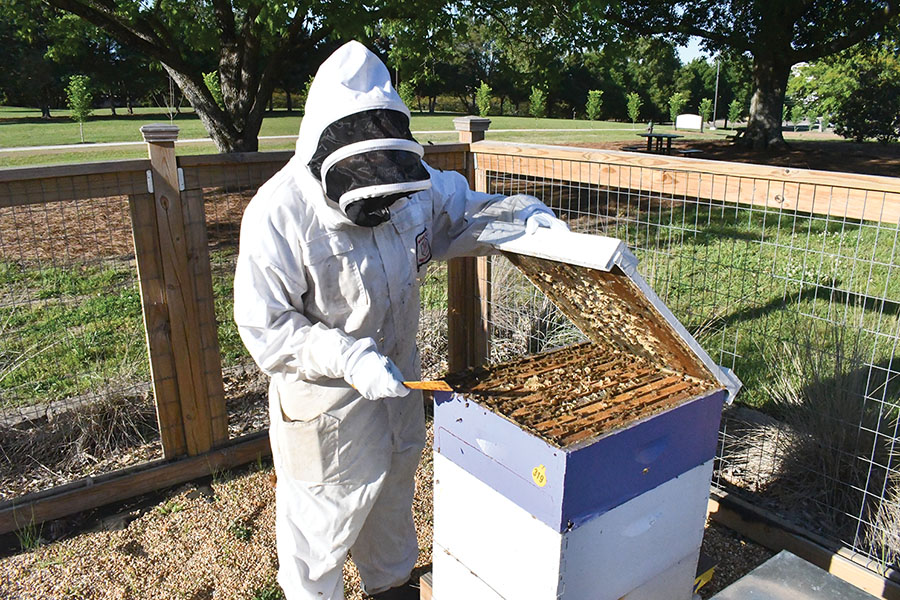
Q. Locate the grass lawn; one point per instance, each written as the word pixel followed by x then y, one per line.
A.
pixel 20 127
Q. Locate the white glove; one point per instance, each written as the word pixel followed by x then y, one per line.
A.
pixel 372 374
pixel 542 219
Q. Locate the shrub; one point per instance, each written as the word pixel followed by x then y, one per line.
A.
pixel 538 102
pixel 211 80
pixel 78 94
pixel 706 106
pixel 797 115
pixel 406 91
pixel 594 102
pixel 634 106
pixel 483 99
pixel 872 114
pixel 735 111
pixel 676 103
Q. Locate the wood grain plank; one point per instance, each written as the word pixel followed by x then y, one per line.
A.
pixel 181 299
pixel 210 356
pixel 155 312
pixel 841 195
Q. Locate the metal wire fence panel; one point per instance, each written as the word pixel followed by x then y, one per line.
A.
pixel 227 185
pixel 75 394
pixel 780 281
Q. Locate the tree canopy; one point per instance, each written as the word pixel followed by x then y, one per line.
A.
pixel 247 42
pixel 436 48
pixel 776 35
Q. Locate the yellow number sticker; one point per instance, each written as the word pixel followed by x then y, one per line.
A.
pixel 539 474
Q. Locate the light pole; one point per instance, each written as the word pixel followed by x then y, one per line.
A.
pixel 716 95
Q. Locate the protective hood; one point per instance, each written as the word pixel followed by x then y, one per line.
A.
pixel 355 140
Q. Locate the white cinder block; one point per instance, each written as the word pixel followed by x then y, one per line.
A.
pixel 519 557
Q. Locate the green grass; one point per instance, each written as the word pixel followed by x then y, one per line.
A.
pixel 79 328
pixel 20 127
pixel 748 282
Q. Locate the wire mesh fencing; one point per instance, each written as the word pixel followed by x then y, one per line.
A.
pixel 75 394
pixel 227 188
pixel 802 305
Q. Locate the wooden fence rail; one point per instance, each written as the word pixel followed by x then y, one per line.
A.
pixel 841 195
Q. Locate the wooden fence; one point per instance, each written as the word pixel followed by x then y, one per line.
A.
pixel 165 196
pixel 171 244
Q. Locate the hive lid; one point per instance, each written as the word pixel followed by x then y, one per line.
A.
pixel 594 281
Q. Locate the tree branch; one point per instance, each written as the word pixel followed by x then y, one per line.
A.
pixel 872 26
pixel 137 34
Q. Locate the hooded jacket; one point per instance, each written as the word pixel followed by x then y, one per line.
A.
pixel 309 282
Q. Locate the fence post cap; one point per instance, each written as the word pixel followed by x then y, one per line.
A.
pixel 471 123
pixel 159 132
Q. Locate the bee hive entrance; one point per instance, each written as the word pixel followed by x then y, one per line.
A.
pixel 579 392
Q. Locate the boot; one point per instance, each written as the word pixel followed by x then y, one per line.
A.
pixel 407 591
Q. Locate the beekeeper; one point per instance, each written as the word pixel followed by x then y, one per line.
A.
pixel 326 300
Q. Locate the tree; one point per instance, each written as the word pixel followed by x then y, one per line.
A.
pixel 483 99
pixel 735 111
pixel 537 102
pixel 871 106
pixel 697 80
pixel 594 102
pixel 705 108
pixel 676 103
pixel 856 83
pixel 634 106
pixel 27 77
pixel 797 112
pixel 651 67
pixel 777 36
pixel 406 91
pixel 78 93
pixel 247 42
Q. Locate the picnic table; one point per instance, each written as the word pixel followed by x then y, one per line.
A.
pixel 659 138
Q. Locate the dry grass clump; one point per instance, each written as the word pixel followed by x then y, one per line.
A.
pixel 93 437
pixel 835 450
pixel 534 325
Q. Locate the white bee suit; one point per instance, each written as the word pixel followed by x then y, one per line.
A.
pixel 309 285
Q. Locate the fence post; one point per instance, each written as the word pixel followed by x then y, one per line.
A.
pixel 468 280
pixel 173 310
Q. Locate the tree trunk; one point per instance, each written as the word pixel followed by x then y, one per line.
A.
pixel 770 76
pixel 230 131
pixel 288 101
pixel 129 105
pixel 45 111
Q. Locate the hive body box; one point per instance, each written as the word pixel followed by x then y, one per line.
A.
pixel 597 497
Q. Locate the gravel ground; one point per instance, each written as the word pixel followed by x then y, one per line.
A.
pixel 215 539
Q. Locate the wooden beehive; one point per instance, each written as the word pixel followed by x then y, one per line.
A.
pixel 580 446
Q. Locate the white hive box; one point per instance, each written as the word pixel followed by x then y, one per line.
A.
pixel 581 473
